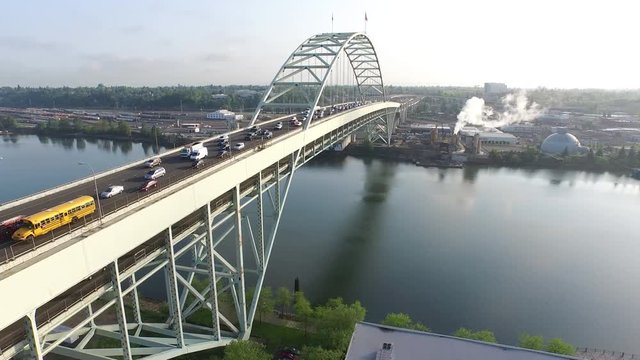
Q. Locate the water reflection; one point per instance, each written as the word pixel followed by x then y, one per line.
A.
pixel 470 173
pixel 67 143
pixel 362 228
pixel 43 139
pixel 81 144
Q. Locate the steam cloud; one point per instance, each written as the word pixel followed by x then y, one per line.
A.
pixel 516 110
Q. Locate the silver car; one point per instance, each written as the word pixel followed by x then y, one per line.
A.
pixel 155 173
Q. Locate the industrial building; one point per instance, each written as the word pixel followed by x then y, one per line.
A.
pixel 224 115
pixel 562 142
pixel 373 341
pixel 489 136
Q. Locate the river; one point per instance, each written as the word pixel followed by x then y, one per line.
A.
pixel 538 251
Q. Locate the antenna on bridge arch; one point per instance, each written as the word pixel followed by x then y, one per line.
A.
pixel 331 22
pixel 365 22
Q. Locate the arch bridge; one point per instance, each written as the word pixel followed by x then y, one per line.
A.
pixel 204 237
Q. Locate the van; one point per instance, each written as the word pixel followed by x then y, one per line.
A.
pixel 199 154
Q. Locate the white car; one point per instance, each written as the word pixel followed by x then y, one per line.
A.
pixel 278 126
pixel 112 191
pixel 238 146
pixel 296 123
pixel 155 173
pixel 223 138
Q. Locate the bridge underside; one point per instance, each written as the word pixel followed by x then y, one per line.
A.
pixel 207 265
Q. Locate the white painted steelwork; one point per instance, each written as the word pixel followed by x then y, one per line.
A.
pixel 211 235
pixel 89 256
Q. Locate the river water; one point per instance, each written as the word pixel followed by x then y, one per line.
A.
pixel 545 252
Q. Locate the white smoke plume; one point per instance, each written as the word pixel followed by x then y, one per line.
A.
pixel 516 110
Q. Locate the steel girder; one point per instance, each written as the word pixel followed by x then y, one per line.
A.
pixel 302 78
pixel 207 260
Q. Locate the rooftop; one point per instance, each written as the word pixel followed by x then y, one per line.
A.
pixel 373 341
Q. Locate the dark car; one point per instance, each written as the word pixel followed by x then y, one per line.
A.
pixel 197 164
pixel 287 353
pixel 9 226
pixel 149 185
pixel 223 153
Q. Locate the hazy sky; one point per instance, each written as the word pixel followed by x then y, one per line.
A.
pixel 444 42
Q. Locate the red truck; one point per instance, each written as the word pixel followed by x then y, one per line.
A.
pixel 9 226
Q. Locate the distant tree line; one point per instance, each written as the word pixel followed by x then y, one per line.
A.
pixel 134 98
pixel 599 158
pixel 66 127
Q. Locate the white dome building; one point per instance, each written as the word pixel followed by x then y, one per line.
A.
pixel 556 144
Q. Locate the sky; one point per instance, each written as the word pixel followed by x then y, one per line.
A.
pixel 525 44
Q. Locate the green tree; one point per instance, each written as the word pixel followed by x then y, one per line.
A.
pixel 403 320
pixel 303 309
pixel 631 155
pixel 283 299
pixel 335 321
pixel 245 350
pixel 8 123
pixel 495 156
pixel 320 353
pixel 398 320
pixel 124 129
pixel 622 153
pixel 482 335
pixel 531 342
pixel 266 302
pixel 559 346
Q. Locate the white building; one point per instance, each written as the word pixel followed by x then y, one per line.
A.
pixel 497 138
pixel 373 341
pixel 224 115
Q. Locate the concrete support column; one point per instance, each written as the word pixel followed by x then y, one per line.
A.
pixel 31 329
pixel 172 287
pixel 120 314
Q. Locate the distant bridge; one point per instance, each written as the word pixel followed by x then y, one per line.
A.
pixel 209 232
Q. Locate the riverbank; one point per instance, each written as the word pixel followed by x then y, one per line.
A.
pixel 163 141
pixel 428 158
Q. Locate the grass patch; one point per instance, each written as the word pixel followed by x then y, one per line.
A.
pixel 276 336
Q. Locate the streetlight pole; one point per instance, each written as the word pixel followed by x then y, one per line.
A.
pixel 95 184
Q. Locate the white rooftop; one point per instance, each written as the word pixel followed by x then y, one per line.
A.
pixel 403 344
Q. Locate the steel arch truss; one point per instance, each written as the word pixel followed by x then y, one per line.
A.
pixel 300 81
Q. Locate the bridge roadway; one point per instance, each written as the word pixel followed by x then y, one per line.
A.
pixel 85 251
pixel 132 178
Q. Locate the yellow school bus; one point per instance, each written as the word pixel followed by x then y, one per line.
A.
pixel 51 219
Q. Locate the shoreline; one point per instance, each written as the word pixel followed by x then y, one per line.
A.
pixel 425 158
